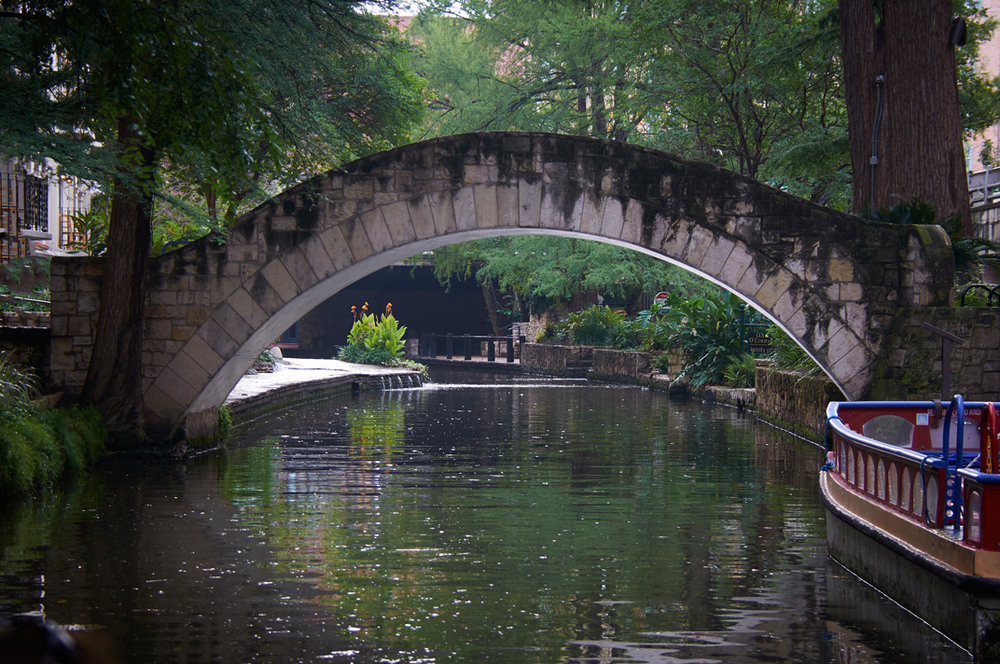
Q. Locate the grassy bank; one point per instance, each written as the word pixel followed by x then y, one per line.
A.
pixel 41 446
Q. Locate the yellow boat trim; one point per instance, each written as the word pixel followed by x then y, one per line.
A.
pixel 930 543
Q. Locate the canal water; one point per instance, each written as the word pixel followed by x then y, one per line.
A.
pixel 516 522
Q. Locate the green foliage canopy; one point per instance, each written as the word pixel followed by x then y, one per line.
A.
pixel 232 97
pixel 741 84
pixel 754 86
pixel 543 270
pixel 568 67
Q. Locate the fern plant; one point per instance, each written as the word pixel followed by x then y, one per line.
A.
pixel 786 354
pixel 741 371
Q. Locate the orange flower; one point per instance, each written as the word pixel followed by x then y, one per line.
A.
pixel 388 308
pixel 364 307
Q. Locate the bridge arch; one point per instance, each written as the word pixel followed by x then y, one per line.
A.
pixel 832 281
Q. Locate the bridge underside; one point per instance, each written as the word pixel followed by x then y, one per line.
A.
pixel 832 281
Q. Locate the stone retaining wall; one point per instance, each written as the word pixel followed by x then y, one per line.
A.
pixel 743 398
pixel 795 401
pixel 277 399
pixel 608 364
pixel 21 318
pixel 555 360
pixel 623 366
pixel 914 369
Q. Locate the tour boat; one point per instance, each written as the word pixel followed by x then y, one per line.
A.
pixel 912 491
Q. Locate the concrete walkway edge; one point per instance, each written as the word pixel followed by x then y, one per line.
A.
pixel 298 380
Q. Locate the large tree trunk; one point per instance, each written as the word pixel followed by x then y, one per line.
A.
pixel 114 376
pixel 902 105
pixel 489 297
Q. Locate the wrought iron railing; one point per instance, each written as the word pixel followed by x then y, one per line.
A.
pixel 23 210
pixel 990 291
pixel 36 205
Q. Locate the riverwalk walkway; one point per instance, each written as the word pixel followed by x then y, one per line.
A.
pixel 302 379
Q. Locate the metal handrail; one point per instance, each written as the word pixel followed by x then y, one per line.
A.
pixel 992 290
pixel 14 299
pixel 429 345
pixel 952 489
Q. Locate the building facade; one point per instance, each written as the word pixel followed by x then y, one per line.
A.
pixel 989 63
pixel 37 210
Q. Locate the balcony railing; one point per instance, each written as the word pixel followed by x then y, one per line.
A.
pixel 984 187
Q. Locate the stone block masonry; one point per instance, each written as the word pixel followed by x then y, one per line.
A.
pixel 557 360
pixel 623 366
pixel 795 401
pixel 914 368
pixel 76 294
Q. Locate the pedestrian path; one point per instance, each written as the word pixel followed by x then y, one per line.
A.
pixel 298 371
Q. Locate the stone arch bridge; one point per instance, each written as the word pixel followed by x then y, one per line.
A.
pixel 832 281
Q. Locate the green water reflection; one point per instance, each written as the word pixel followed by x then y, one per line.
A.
pixel 434 524
pixel 470 524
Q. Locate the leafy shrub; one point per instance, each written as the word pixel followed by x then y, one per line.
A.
pixel 741 372
pixel 18 267
pixel 662 362
pixel 977 295
pixel 93 226
pixel 550 333
pixel 387 337
pixel 28 455
pixel 36 300
pixel 17 387
pixel 362 355
pixel 627 335
pixel 650 335
pixel 705 329
pixel 374 340
pixel 597 325
pixel 80 433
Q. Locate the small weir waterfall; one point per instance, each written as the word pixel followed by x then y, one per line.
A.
pixel 524 521
pixel 400 381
